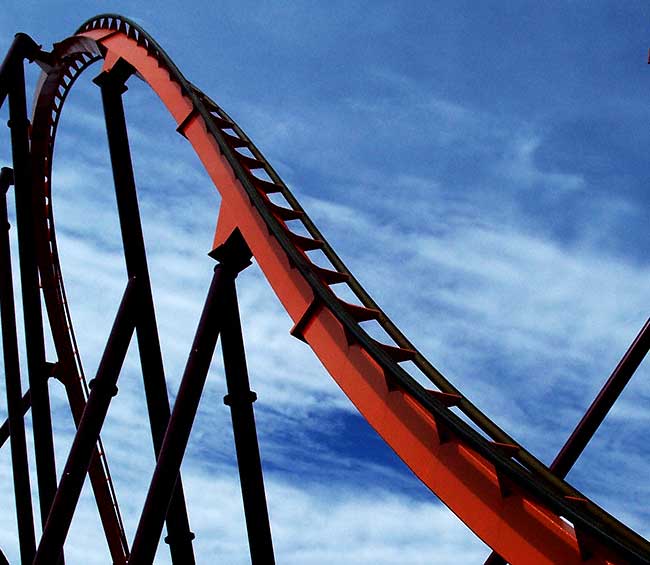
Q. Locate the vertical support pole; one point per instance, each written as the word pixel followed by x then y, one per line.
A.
pixel 20 467
pixel 112 85
pixel 235 253
pixel 102 390
pixel 240 399
pixel 33 319
pixel 171 455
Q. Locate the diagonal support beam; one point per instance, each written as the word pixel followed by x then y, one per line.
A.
pixel 112 85
pixel 595 414
pixel 5 429
pixel 171 455
pixel 602 404
pixel 102 390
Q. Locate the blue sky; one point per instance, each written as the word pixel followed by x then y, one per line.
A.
pixel 481 168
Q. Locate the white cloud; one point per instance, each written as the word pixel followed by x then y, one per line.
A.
pixel 519 166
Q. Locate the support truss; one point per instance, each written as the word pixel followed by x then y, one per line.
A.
pixel 170 430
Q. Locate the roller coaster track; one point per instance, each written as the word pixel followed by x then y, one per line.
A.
pixel 511 500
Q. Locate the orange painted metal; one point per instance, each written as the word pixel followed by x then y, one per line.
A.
pixel 519 529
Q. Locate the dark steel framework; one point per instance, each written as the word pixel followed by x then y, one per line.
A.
pixel 170 431
pixel 516 469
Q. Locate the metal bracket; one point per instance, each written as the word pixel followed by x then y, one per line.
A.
pixel 116 77
pixel 234 254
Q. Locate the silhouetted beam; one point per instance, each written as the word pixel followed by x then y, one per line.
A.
pixel 599 408
pixel 112 85
pixel 240 399
pixel 22 47
pixel 4 429
pixel 31 296
pixel 102 389
pixel 13 387
pixel 178 431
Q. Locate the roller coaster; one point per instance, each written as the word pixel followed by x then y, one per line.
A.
pixel 522 509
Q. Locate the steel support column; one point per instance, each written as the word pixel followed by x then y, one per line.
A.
pixel 102 390
pixel 112 85
pixel 178 432
pixel 220 315
pixel 16 407
pixel 14 80
pixel 240 399
pixel 236 254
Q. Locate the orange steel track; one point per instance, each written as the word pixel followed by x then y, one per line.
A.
pixel 505 495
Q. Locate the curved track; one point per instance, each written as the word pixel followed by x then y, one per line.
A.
pixel 502 492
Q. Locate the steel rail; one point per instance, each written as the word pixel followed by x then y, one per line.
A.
pixel 55 83
pixel 518 466
pixel 540 481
